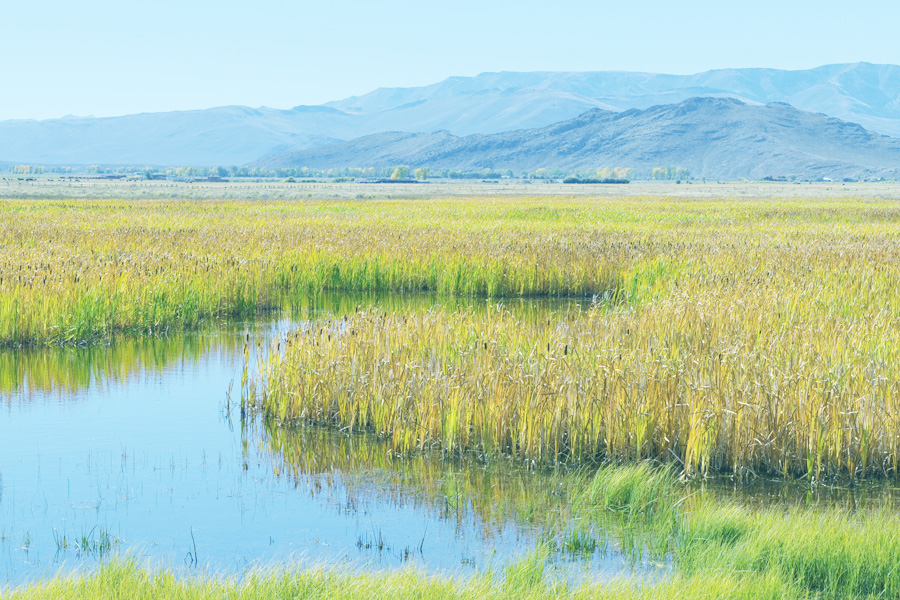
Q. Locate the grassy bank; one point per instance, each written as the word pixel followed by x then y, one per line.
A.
pixel 125 581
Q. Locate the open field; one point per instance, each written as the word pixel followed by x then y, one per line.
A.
pixel 51 187
pixel 76 270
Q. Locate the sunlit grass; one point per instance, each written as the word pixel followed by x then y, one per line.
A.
pixel 84 270
pixel 526 580
pixel 748 336
pixel 710 384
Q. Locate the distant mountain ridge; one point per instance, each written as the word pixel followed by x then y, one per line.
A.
pixel 718 138
pixel 862 93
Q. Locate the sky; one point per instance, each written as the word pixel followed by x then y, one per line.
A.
pixel 105 58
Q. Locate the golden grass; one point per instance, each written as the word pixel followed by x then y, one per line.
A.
pixel 755 337
pixel 83 270
pixel 74 271
pixel 739 335
pixel 711 385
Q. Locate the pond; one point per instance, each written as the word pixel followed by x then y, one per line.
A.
pixel 138 448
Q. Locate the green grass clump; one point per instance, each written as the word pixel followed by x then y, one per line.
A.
pixel 124 580
pixel 830 552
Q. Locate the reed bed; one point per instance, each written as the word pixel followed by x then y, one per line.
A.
pixel 76 271
pixel 741 383
pixel 748 336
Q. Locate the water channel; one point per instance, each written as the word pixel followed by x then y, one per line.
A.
pixel 137 448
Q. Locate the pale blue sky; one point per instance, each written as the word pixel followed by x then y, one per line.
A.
pixel 106 57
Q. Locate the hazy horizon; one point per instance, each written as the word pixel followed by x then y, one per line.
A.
pixel 105 59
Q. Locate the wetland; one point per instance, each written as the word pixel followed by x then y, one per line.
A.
pixel 481 396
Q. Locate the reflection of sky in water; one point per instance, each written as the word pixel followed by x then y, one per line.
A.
pixel 136 444
pixel 133 440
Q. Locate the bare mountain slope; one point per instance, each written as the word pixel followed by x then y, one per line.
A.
pixel 712 137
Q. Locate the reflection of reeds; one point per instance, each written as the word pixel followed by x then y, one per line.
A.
pixel 74 369
pixel 573 509
pixel 641 508
pixel 716 382
pixel 494 492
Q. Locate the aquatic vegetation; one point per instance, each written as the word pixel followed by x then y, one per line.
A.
pixel 74 271
pixel 832 552
pixel 525 580
pixel 79 271
pixel 643 509
pixel 744 337
pixel 713 385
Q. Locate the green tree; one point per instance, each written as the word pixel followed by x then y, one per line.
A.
pixel 421 173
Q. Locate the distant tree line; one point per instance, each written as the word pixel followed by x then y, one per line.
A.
pixel 670 173
pixel 26 169
pixel 395 172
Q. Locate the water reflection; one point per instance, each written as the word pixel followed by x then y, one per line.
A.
pixel 761 493
pixel 63 372
pixel 129 447
pixel 490 494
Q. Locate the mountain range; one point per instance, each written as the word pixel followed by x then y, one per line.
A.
pixel 489 103
pixel 719 138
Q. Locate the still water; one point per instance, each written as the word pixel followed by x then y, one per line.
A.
pixel 138 449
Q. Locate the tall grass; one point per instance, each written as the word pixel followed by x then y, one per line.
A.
pixel 740 335
pixel 830 552
pixel 80 270
pixel 711 384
